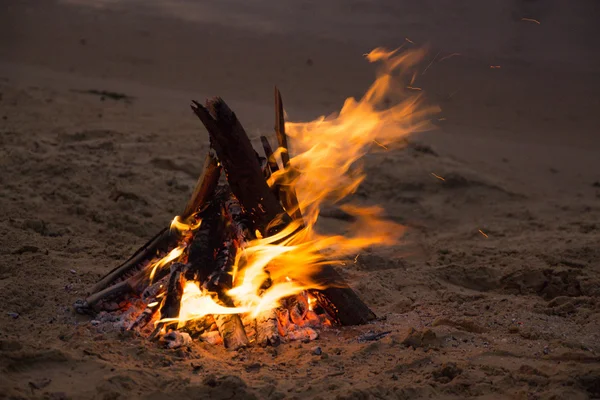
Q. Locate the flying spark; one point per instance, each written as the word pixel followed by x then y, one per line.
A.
pixel 437 176
pixel 448 56
pixel 484 234
pixel 531 20
pixel 379 144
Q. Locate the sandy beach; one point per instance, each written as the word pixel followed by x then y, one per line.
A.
pixel 493 292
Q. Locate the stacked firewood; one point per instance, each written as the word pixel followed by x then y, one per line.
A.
pixel 233 209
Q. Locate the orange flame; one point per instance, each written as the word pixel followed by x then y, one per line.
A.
pixel 323 172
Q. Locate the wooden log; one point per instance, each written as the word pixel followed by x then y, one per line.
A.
pixel 143 319
pixel 210 259
pixel 197 327
pixel 232 331
pixel 206 241
pixel 241 225
pixel 287 193
pixel 238 158
pixel 112 293
pixel 172 303
pixel 267 332
pixel 152 291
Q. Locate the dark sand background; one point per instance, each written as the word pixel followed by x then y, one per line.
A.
pixel 84 181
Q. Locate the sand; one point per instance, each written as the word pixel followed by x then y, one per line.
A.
pixel 86 179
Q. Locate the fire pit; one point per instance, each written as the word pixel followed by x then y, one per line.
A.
pixel 243 263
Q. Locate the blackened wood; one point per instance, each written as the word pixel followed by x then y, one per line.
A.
pixel 144 318
pixel 158 287
pixel 280 129
pixel 269 154
pixel 339 301
pixel 170 307
pixel 240 223
pixel 221 277
pixel 287 192
pixel 206 241
pixel 206 185
pixel 243 172
pixel 111 293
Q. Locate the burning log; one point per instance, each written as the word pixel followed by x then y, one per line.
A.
pixel 172 302
pixel 243 171
pixel 144 318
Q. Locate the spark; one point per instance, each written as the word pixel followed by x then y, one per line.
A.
pixel 379 144
pixel 432 61
pixel 356 258
pixel 409 41
pixel 531 20
pixel 413 88
pixel 484 234
pixel 495 66
pixel 448 56
pixel 437 176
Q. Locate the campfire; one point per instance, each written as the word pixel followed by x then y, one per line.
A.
pixel 244 263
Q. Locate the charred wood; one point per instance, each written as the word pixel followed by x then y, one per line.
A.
pixel 238 158
pixel 287 193
pixel 340 302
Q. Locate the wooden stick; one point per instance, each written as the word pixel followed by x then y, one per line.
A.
pixel 238 158
pixel 206 185
pixel 113 292
pixel 206 241
pixel 269 154
pixel 172 304
pixel 280 129
pixel 287 193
